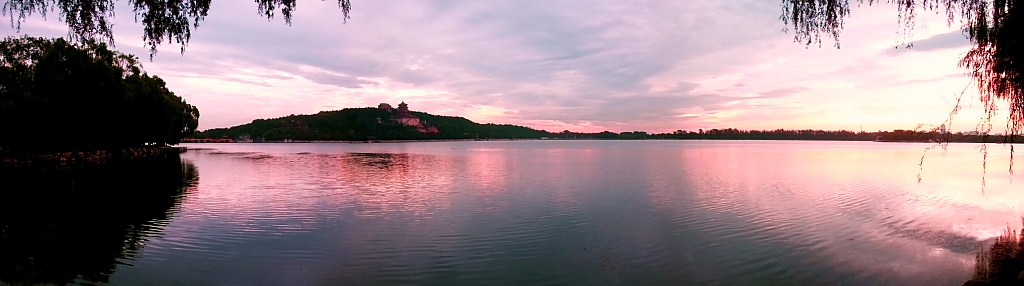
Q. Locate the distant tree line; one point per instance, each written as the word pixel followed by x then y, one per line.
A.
pixel 58 96
pixel 806 134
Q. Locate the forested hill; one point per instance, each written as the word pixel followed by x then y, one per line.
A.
pixel 369 123
pixel 358 124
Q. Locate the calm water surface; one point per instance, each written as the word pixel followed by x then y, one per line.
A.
pixel 515 212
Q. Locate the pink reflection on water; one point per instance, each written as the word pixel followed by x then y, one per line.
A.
pixel 368 183
pixel 858 203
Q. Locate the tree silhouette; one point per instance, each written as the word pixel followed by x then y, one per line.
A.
pixel 993 26
pixel 164 20
pixel 58 96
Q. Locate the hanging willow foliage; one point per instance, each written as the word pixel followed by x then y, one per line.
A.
pixel 169 21
pixel 993 27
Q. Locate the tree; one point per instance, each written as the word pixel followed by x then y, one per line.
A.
pixel 58 96
pixel 170 20
pixel 996 60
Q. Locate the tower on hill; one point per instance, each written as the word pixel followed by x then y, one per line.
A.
pixel 402 116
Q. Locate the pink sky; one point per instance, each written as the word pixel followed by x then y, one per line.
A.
pixel 656 66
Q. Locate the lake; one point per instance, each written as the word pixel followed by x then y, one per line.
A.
pixel 515 213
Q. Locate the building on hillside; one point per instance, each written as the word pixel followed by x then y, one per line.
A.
pixel 404 117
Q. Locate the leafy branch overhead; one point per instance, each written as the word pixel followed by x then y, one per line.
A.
pixel 164 21
pixel 996 60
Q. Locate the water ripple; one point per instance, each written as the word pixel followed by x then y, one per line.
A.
pixel 565 213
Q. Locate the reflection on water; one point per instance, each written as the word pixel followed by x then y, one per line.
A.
pixel 76 226
pixel 526 213
pixel 948 240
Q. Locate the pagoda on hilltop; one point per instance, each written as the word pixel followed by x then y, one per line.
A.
pixel 402 116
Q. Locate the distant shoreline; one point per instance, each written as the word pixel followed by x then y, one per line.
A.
pixel 365 141
pixel 589 139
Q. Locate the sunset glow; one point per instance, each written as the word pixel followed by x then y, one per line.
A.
pixel 650 66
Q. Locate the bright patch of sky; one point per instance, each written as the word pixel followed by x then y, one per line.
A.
pixel 588 66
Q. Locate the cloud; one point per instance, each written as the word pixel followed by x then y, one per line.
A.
pixel 340 80
pixel 948 40
pixel 624 65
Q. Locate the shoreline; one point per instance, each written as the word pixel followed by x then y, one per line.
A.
pixel 590 139
pixel 71 159
pixel 367 141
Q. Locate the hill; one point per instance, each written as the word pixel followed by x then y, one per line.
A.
pixel 369 123
pixel 386 123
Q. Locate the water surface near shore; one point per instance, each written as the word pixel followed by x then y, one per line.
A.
pixel 571 212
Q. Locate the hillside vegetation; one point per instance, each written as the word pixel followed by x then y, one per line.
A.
pixel 358 124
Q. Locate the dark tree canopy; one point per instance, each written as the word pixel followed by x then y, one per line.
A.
pixel 164 20
pixel 58 96
pixel 994 27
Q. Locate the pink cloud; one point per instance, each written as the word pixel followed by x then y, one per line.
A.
pixel 591 67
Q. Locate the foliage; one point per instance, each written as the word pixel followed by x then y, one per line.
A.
pixel 359 124
pixel 778 134
pixel 452 127
pixel 57 96
pixel 996 61
pixel 783 134
pixel 162 19
pixel 635 135
pixel 1003 262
